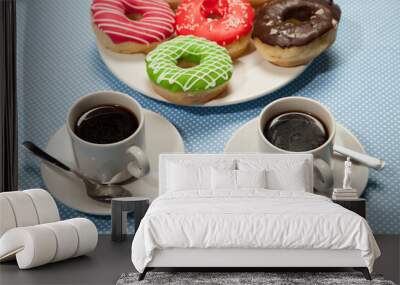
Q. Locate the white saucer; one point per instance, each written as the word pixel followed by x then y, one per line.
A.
pixel 161 137
pixel 252 78
pixel 245 140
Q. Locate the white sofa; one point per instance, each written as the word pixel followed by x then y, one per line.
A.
pixel 31 231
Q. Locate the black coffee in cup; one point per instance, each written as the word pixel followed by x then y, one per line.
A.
pixel 295 131
pixel 106 124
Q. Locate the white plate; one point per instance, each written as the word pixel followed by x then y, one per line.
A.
pixel 161 137
pixel 245 140
pixel 252 78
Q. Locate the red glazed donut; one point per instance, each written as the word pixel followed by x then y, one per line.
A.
pixel 131 26
pixel 226 22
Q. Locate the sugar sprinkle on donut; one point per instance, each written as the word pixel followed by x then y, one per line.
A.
pixel 234 19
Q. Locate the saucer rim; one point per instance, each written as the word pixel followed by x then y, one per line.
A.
pixel 45 173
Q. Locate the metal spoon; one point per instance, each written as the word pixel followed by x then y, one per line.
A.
pixel 96 190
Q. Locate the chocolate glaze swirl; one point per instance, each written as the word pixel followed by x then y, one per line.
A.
pixel 287 23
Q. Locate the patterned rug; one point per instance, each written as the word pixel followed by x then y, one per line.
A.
pixel 244 278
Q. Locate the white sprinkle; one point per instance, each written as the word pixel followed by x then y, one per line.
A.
pixel 273 32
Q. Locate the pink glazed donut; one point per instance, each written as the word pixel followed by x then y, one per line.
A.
pixel 132 26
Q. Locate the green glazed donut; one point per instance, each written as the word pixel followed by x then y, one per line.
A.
pixel 214 65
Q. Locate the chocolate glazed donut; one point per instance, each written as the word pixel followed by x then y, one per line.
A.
pixel 293 32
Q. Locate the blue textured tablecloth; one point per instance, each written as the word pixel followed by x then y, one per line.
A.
pixel 358 78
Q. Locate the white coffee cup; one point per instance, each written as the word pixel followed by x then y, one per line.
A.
pixel 113 162
pixel 323 175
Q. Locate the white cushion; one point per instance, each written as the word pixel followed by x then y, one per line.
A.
pixel 87 235
pixel 223 179
pixel 251 178
pixel 26 208
pixel 40 244
pixel 181 178
pixel 45 205
pixel 289 175
pixel 226 179
pixel 23 208
pixel 188 175
pixel 67 239
pixel 30 246
pixel 293 180
pixel 7 218
pixel 248 161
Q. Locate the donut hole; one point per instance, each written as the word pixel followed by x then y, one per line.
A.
pixel 214 16
pixel 185 62
pixel 134 16
pixel 298 15
pixel 212 9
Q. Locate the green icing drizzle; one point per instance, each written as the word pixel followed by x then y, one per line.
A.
pixel 214 65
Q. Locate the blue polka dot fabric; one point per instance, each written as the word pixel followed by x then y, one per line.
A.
pixel 358 79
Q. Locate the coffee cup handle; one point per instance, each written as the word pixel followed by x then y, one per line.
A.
pixel 323 176
pixel 139 165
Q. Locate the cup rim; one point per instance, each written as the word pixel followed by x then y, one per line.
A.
pixel 72 133
pixel 324 145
